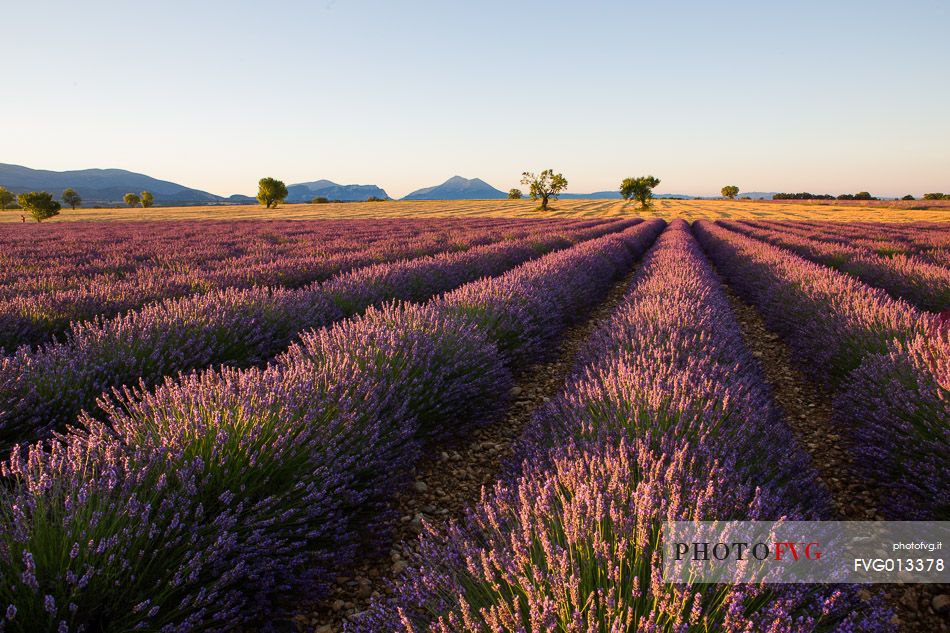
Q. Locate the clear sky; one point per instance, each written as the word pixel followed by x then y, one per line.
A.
pixel 825 96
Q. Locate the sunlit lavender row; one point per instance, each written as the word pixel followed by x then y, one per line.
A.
pixel 73 253
pixel 925 241
pixel 190 506
pixel 44 389
pixel 887 364
pixel 666 417
pixel 43 296
pixel 903 276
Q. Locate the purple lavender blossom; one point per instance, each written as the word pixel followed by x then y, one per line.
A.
pixel 903 276
pixel 197 501
pixel 652 426
pixel 45 389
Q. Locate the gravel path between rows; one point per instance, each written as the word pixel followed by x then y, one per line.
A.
pixel 451 479
pixel 809 412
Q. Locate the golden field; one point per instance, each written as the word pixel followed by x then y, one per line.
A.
pixel 667 209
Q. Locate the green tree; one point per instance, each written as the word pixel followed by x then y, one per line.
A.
pixel 147 199
pixel 514 194
pixel 863 195
pixel 39 204
pixel 71 198
pixel 934 196
pixel 730 191
pixel 908 197
pixel 131 199
pixel 320 200
pixel 6 198
pixel 271 192
pixel 546 186
pixel 640 189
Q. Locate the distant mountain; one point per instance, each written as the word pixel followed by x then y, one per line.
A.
pixel 100 186
pixel 307 191
pixel 757 195
pixel 458 188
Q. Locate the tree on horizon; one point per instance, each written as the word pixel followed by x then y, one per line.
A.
pixel 546 186
pixel 71 198
pixel 39 204
pixel 730 191
pixel 271 192
pixel 6 198
pixel 640 189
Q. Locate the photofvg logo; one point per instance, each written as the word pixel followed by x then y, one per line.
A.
pixel 805 551
pixel 742 550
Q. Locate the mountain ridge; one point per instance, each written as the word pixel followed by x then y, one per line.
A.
pixel 98 185
pixel 458 188
pixel 307 191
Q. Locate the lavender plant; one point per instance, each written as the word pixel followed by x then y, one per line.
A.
pixel 641 434
pixel 883 360
pixel 896 407
pixel 906 277
pixel 46 389
pixel 252 481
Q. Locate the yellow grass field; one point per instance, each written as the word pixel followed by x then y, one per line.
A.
pixel 667 209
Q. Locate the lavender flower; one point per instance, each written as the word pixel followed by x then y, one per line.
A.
pixel 43 390
pixel 660 420
pixel 200 499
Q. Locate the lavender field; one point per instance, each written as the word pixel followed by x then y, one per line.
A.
pixel 470 424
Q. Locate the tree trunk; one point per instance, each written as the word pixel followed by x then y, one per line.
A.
pixel 544 203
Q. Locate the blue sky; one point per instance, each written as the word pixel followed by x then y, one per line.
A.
pixel 831 96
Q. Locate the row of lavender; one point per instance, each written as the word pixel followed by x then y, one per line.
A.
pixel 924 284
pixel 34 308
pixel 929 241
pixel 886 363
pixel 44 389
pixel 74 253
pixel 190 506
pixel 666 417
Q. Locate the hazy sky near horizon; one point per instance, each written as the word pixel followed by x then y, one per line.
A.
pixel 823 96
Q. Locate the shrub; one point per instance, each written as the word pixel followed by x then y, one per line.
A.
pixel 39 204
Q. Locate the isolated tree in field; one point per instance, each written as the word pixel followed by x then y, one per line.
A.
pixel 39 204
pixel 908 197
pixel 546 186
pixel 730 191
pixel 514 194
pixel 147 199
pixel 640 189
pixel 271 192
pixel 131 199
pixel 6 198
pixel 71 198
pixel 320 200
